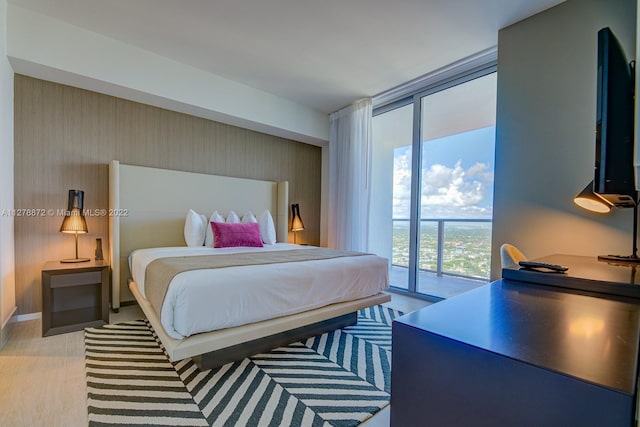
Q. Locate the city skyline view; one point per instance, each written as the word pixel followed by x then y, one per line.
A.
pixel 456 183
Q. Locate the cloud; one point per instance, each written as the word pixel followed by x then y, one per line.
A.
pixel 402 184
pixel 447 192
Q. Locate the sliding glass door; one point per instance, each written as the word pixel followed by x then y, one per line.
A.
pixel 432 186
pixel 456 186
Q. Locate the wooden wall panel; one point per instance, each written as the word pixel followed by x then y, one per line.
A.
pixel 65 137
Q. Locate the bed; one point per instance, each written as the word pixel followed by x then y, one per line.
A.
pixel 147 208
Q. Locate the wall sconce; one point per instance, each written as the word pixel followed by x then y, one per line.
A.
pixel 590 201
pixel 296 221
pixel 74 222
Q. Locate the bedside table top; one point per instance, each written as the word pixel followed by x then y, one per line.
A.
pixel 57 265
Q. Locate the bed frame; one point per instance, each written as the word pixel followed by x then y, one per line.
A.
pixel 147 208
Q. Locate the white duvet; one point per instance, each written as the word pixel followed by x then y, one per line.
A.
pixel 205 300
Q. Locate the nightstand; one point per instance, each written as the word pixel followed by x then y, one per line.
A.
pixel 74 296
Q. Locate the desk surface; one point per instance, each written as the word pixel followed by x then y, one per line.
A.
pixel 593 339
pixel 585 274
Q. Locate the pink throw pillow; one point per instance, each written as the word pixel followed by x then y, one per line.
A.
pixel 227 235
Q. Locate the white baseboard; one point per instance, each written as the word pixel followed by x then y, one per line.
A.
pixel 7 329
pixel 29 316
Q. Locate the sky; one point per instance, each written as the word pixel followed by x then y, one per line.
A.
pixel 457 176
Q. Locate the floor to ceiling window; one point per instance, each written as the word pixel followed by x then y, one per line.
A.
pixel 432 186
pixel 391 183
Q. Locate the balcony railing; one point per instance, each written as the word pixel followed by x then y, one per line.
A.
pixel 457 247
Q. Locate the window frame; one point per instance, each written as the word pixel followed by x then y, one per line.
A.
pixel 415 97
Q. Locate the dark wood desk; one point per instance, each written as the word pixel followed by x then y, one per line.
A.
pixel 513 354
pixel 585 274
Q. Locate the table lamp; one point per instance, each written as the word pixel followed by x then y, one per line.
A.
pixel 74 222
pixel 590 201
pixel 296 221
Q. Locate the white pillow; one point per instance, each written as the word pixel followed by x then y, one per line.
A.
pixel 208 236
pixel 232 218
pixel 194 228
pixel 249 217
pixel 267 228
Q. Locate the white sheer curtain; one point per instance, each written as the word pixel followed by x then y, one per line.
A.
pixel 350 177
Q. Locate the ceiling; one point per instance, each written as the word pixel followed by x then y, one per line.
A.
pixel 322 54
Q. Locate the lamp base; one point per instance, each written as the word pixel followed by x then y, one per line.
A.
pixel 71 260
pixel 619 258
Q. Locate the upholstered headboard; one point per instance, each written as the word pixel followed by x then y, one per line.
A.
pixel 148 206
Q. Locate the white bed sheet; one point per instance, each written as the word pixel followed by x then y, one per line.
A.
pixel 205 300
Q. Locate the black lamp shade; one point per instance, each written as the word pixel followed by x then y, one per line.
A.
pixel 590 201
pixel 76 200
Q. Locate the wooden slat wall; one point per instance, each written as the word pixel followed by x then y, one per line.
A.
pixel 65 138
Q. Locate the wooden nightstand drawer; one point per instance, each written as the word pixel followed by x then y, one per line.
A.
pixel 76 279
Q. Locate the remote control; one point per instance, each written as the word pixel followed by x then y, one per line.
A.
pixel 535 265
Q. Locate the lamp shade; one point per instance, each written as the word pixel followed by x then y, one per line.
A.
pixel 74 221
pixel 76 200
pixel 590 201
pixel 296 221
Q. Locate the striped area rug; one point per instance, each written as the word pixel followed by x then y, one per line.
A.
pixel 340 378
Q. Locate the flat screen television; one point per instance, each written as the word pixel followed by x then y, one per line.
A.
pixel 614 172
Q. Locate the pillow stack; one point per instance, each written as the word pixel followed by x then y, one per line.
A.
pixel 198 231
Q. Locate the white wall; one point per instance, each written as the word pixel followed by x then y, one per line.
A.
pixel 545 140
pixel 7 270
pixel 50 49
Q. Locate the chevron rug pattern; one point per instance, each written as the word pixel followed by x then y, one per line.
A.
pixel 340 378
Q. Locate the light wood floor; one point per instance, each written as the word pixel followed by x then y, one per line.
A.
pixel 42 380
